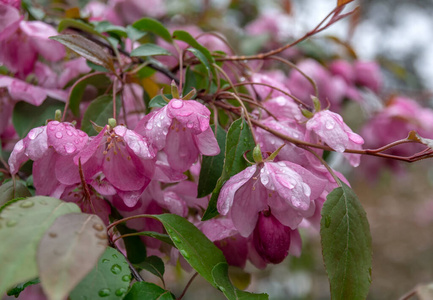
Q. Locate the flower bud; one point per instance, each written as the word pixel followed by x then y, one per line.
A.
pixel 271 238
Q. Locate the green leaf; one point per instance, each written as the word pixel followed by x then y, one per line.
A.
pixel 133 33
pixel 73 23
pixel 22 225
pixel 26 116
pixel 190 40
pixel 149 291
pixel 156 235
pixel 96 67
pixel 151 25
pixel 346 244
pixel 158 101
pixel 9 192
pixel 87 49
pixel 190 81
pixel 100 81
pixel 16 291
pixel 105 26
pixel 212 166
pixel 135 248
pixel 239 140
pixel 149 50
pixel 222 280
pixel 202 58
pixel 99 111
pixel 154 265
pixel 68 251
pixel 194 246
pixel 109 280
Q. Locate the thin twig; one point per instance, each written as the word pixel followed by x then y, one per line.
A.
pixel 187 286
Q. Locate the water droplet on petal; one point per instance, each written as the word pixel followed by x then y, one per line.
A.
pixel 19 147
pixel 69 148
pixel 329 124
pixel 55 123
pixel 68 132
pixel 116 269
pixel 177 104
pixel 104 293
pixel 189 125
pixel 34 133
pixel 26 204
pixel 59 135
pixel 120 292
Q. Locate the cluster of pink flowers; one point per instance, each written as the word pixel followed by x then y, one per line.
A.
pixel 152 164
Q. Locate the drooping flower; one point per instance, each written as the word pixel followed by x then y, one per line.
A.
pixel 123 157
pixel 330 127
pixel 51 147
pixel 285 188
pixel 181 129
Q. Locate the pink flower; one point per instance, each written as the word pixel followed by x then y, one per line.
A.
pixel 271 238
pixel 368 75
pixel 285 188
pixel 20 50
pixel 225 236
pixel 274 79
pixel 181 129
pixel 51 148
pixel 123 157
pixel 330 127
pixel 331 89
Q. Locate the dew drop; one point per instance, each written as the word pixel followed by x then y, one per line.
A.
pixel 55 123
pixel 101 236
pixel 68 132
pixel 98 227
pixel 126 278
pixel 175 239
pixel 11 223
pixel 105 260
pixel 114 256
pixel 82 133
pixel 116 269
pixel 104 293
pixel 33 133
pixel 69 148
pixel 59 135
pixel 329 125
pixel 184 253
pixel 189 125
pixel 19 147
pixel 120 292
pixel 43 202
pixel 177 104
pixel 327 221
pixel 26 204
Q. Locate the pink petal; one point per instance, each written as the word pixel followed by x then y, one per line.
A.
pixel 207 143
pixel 227 193
pixel 181 150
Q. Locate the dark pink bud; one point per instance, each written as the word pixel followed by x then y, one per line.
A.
pixel 271 238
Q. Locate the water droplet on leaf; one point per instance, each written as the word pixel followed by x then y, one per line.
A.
pixel 104 293
pixel 26 204
pixel 116 269
pixel 327 221
pixel 126 278
pixel 120 292
pixel 184 254
pixel 11 223
pixel 105 260
pixel 98 227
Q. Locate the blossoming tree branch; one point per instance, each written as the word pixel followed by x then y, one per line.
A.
pixel 129 142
